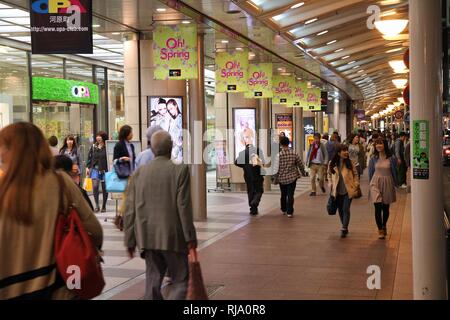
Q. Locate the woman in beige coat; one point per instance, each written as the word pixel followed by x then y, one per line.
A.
pixel 29 199
pixel 344 184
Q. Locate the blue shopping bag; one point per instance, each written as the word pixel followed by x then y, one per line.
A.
pixel 114 184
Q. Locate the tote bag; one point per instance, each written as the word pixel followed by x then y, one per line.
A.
pixel 113 183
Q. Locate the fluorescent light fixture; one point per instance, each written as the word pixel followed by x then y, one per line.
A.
pixel 331 42
pixel 257 2
pixel 394 50
pixel 391 27
pixel 356 67
pixel 388 13
pixel 298 5
pixel 161 10
pixel 277 17
pixel 239 49
pixel 322 33
pixel 398 66
pixel 185 22
pixel 95 26
pixel 5 34
pixel 401 100
pixel 339 50
pixel 352 62
pixel 343 58
pixel 311 21
pixel 359 71
pixel 400 83
pixel 115 33
pixel 224 41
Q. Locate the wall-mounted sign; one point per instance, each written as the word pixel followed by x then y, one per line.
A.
pixel 175 52
pixel 259 81
pixel 283 90
pixel 300 94
pixel 313 100
pixel 232 71
pixel 61 26
pixel 284 125
pixel 421 149
pixel 64 90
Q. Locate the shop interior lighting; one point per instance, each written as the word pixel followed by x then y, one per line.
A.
pixel 161 10
pixel 397 104
pixel 394 50
pixel 400 83
pixel 398 66
pixel 322 33
pixel 343 58
pixel 331 42
pixel 391 28
pixel 311 21
pixel 298 5
pixel 339 50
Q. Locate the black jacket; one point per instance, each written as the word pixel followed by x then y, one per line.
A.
pixel 251 173
pixel 97 158
pixel 120 150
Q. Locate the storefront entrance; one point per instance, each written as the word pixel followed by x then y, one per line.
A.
pixel 67 118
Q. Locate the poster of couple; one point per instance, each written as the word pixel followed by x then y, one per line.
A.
pixel 166 112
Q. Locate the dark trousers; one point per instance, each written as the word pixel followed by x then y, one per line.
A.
pixel 255 190
pixel 287 197
pixel 381 215
pixel 401 173
pixel 343 204
pixel 157 262
pixel 96 187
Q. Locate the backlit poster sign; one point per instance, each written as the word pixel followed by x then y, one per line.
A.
pixel 284 126
pixel 175 52
pixel 244 121
pixel 61 26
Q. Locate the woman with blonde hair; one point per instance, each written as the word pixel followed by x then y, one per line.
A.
pixel 29 207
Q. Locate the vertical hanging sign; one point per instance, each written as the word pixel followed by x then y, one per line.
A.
pixel 232 71
pixel 283 89
pixel 300 94
pixel 259 81
pixel 175 52
pixel 421 149
pixel 313 100
pixel 61 26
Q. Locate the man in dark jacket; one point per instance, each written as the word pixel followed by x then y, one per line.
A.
pixel 399 151
pixel 251 160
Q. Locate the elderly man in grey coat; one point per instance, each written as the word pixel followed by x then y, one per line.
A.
pixel 147 155
pixel 159 221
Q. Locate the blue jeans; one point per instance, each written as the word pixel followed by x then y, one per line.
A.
pixel 344 203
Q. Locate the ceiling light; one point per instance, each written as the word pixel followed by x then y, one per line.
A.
pixel 397 104
pixel 343 58
pixel 298 5
pixel 331 42
pixel 398 66
pixel 339 50
pixel 394 50
pixel 224 41
pixel 391 27
pixel 401 100
pixel 352 62
pixel 239 49
pixel 5 34
pixel 161 10
pixel 185 21
pixel 322 33
pixel 96 26
pixel 360 71
pixel 277 17
pixel 388 13
pixel 311 21
pixel 115 33
pixel 356 67
pixel 400 83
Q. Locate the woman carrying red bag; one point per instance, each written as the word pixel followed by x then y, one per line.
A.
pixel 29 208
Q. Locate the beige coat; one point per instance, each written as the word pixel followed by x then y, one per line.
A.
pixel 158 209
pixel 351 180
pixel 27 248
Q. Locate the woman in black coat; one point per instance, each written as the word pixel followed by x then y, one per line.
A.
pixel 124 150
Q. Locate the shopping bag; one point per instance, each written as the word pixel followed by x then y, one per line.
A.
pixel 332 206
pixel 87 184
pixel 113 183
pixel 196 288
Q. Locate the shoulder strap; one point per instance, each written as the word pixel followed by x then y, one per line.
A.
pixel 62 193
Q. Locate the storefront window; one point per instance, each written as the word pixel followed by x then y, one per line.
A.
pixel 14 86
pixel 116 102
pixel 47 66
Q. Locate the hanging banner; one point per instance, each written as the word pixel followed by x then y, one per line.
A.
pixel 61 27
pixel 232 71
pixel 313 100
pixel 300 94
pixel 421 149
pixel 175 52
pixel 259 81
pixel 283 90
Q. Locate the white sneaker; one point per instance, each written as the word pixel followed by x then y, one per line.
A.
pixel 290 216
pixel 403 186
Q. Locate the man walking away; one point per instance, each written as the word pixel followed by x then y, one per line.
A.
pixel 158 219
pixel 251 160
pixel 317 160
pixel 401 163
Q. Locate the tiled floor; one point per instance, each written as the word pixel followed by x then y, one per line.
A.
pixel 273 257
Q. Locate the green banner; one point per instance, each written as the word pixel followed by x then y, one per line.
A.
pixel 175 52
pixel 421 149
pixel 232 71
pixel 64 90
pixel 313 100
pixel 283 90
pixel 300 94
pixel 259 81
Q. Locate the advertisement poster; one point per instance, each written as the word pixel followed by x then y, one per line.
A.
pixel 167 112
pixel 300 94
pixel 284 124
pixel 283 90
pixel 175 52
pixel 360 114
pixel 259 81
pixel 313 100
pixel 309 123
pixel 61 27
pixel 421 149
pixel 223 166
pixel 232 71
pixel 244 121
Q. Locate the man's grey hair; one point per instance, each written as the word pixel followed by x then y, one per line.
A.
pixel 151 131
pixel 161 143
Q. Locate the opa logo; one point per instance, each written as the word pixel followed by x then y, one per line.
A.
pixel 80 92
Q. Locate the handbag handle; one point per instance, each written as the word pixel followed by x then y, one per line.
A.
pixel 193 255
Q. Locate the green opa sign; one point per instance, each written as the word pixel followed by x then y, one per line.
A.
pixel 64 90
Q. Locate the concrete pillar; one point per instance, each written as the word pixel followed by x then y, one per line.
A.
pixel 264 136
pixel 319 120
pixel 299 131
pixel 131 80
pixel 428 235
pixel 197 127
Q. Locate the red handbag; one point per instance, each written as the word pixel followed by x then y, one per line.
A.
pixel 77 259
pixel 196 288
